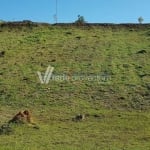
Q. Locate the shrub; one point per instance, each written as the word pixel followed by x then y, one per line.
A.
pixel 80 20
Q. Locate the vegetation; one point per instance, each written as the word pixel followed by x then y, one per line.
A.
pixel 140 20
pixel 80 20
pixel 116 111
pixel 1 21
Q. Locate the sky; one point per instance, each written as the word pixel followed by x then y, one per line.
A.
pixel 93 11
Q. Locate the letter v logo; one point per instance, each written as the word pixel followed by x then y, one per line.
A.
pixel 47 75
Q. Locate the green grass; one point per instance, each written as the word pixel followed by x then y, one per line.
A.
pixel 118 110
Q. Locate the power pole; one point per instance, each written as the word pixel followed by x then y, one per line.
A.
pixel 56 11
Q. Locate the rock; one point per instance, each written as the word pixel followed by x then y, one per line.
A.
pixel 6 129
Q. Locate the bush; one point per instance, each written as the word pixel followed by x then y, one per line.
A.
pixel 80 20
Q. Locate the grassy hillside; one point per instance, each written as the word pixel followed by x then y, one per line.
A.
pixel 117 108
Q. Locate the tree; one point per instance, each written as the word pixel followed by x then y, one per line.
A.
pixel 2 21
pixel 80 20
pixel 140 20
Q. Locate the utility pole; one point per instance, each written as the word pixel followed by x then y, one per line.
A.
pixel 56 12
pixel 56 17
